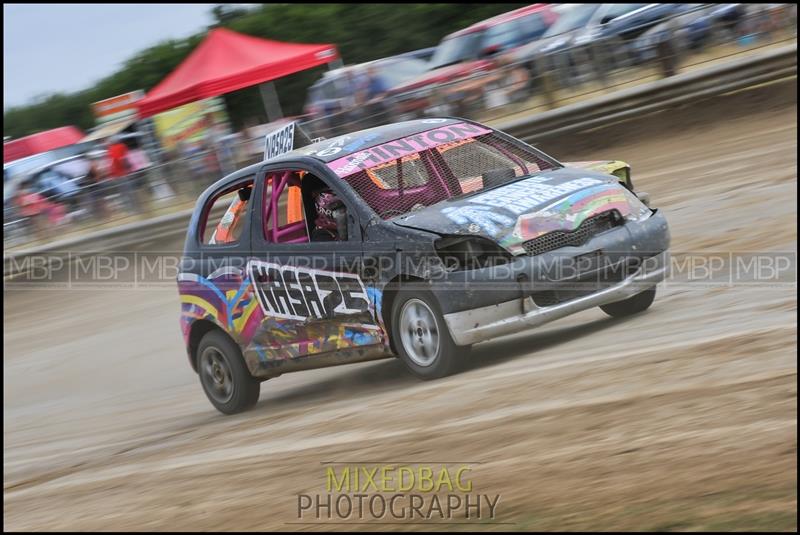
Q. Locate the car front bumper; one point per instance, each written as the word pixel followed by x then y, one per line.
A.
pixel 487 322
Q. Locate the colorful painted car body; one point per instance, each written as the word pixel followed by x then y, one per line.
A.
pixel 470 217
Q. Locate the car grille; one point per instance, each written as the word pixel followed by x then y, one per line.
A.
pixel 546 298
pixel 588 229
pixel 567 290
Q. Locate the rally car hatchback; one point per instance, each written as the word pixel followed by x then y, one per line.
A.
pixel 415 240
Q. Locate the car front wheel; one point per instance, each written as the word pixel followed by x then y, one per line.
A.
pixel 632 305
pixel 421 336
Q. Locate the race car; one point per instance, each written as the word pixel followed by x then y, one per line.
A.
pixel 415 240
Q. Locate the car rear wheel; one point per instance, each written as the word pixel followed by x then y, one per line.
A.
pixel 632 305
pixel 421 336
pixel 224 375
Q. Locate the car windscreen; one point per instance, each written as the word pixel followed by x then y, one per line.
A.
pixel 397 72
pixel 617 10
pixel 532 26
pixel 502 36
pixel 452 166
pixel 456 49
pixel 575 18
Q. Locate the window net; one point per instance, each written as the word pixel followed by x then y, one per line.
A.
pixel 444 172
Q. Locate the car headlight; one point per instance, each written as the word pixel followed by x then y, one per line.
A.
pixel 639 206
pixel 462 253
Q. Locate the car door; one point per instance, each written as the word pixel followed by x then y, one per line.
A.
pixel 212 280
pixel 313 299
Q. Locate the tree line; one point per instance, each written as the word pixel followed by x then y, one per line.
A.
pixel 362 32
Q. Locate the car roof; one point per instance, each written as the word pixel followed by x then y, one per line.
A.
pixel 370 137
pixel 348 144
pixel 360 67
pixel 56 163
pixel 500 19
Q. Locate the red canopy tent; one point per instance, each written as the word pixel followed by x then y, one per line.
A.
pixel 56 138
pixel 227 61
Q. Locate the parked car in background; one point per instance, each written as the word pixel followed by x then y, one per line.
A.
pixel 60 181
pixel 689 31
pixel 470 52
pixel 423 54
pixel 608 45
pixel 588 39
pixel 552 51
pixel 631 23
pixel 43 196
pixel 561 35
pixel 332 103
pixel 15 170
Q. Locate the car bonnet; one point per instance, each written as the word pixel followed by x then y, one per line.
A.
pixel 522 210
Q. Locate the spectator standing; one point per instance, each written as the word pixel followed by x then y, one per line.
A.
pixel 117 156
pixel 211 163
pixel 350 104
pixel 352 99
pixel 226 145
pixel 30 205
pixel 41 213
pixel 95 184
pixel 193 157
pixel 368 87
pixel 139 164
pixel 507 84
pixel 119 169
pixel 376 87
pixel 72 185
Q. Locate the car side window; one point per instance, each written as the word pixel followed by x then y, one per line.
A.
pixel 532 27
pixel 298 207
pixel 225 215
pixel 617 10
pixel 284 221
pixel 502 36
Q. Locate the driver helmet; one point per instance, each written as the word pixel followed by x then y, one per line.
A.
pixel 326 204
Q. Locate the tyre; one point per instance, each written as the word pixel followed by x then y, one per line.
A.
pixel 421 336
pixel 224 375
pixel 632 305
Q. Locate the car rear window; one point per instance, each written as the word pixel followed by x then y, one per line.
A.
pixel 449 170
pixel 224 228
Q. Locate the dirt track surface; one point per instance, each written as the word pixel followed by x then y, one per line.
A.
pixel 684 417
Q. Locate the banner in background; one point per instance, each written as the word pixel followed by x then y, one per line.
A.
pixel 119 107
pixel 190 123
